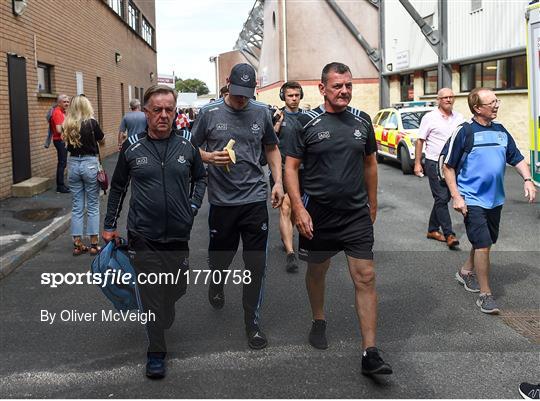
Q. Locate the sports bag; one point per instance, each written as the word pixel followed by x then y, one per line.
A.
pixel 115 259
pixel 469 142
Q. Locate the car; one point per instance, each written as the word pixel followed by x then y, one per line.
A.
pixel 396 132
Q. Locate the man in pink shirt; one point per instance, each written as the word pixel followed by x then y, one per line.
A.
pixel 435 129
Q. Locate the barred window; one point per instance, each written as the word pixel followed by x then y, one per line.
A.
pixel 147 32
pixel 133 17
pixel 500 74
pixel 117 6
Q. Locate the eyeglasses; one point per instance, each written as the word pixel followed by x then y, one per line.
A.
pixel 494 103
pixel 446 98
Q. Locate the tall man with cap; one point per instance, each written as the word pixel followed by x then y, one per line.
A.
pixel 237 191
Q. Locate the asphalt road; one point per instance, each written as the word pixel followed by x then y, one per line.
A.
pixel 438 342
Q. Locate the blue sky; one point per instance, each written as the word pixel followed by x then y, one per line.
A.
pixel 189 32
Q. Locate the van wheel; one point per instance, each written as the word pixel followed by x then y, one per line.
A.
pixel 405 159
pixel 380 158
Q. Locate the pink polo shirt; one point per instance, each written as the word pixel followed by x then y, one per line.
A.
pixel 435 129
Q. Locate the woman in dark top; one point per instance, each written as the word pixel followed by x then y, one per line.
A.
pixel 81 133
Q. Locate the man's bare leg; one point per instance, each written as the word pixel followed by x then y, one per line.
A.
pixel 286 231
pixel 363 275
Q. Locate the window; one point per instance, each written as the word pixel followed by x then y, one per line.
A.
pixel 44 78
pixel 147 32
pixel 411 120
pixel 430 82
pixel 500 74
pixel 407 87
pixel 518 72
pixel 137 93
pixel 391 123
pixel 384 117
pixel 117 6
pixel 133 17
pixel 476 5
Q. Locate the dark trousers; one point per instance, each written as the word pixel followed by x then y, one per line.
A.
pixel 151 257
pixel 61 153
pixel 227 225
pixel 440 217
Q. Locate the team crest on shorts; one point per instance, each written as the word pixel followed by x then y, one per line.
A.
pixel 264 227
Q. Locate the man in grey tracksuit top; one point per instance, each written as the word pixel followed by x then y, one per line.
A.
pixel 237 192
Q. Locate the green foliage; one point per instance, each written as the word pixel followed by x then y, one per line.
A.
pixel 191 85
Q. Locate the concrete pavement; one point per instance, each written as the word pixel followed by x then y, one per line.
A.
pixel 438 342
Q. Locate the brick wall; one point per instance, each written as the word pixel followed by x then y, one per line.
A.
pixel 72 36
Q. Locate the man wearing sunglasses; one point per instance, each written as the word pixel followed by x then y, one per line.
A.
pixel 478 190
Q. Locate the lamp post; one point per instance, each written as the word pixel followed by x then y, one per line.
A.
pixel 215 60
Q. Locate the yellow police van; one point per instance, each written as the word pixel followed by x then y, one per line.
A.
pixel 396 131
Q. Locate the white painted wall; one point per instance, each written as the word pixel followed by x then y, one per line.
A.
pixel 498 26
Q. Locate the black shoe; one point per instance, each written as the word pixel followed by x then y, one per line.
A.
pixel 317 335
pixel 256 338
pixel 529 391
pixel 216 297
pixel 372 363
pixel 62 190
pixel 155 368
pixel 292 265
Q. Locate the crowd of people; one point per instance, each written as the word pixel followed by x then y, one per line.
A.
pixel 323 180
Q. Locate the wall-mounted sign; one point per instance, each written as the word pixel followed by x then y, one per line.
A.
pixel 402 60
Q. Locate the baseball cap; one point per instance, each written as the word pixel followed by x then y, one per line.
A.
pixel 242 80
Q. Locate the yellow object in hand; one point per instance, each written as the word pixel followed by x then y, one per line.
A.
pixel 230 151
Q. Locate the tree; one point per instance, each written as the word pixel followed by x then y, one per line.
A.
pixel 192 85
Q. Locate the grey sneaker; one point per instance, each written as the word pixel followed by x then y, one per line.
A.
pixel 469 281
pixel 487 304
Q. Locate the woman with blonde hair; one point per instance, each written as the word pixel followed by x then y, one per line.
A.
pixel 82 135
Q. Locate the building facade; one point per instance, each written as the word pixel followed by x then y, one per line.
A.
pixel 294 40
pixel 105 49
pixel 485 47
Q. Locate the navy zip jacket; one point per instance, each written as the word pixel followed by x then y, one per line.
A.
pixel 167 187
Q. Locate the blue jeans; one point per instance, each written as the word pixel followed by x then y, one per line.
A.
pixel 61 153
pixel 82 179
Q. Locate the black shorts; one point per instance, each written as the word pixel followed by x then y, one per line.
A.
pixel 482 225
pixel 336 230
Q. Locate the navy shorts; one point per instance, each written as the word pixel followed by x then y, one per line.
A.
pixel 336 230
pixel 482 225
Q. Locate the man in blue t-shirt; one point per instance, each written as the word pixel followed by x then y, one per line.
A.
pixel 478 187
pixel 133 122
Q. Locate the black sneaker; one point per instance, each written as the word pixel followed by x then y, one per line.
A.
pixel 292 265
pixel 529 391
pixel 256 338
pixel 62 190
pixel 155 368
pixel 372 363
pixel 216 296
pixel 317 335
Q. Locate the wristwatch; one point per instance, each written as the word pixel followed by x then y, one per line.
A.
pixel 527 179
